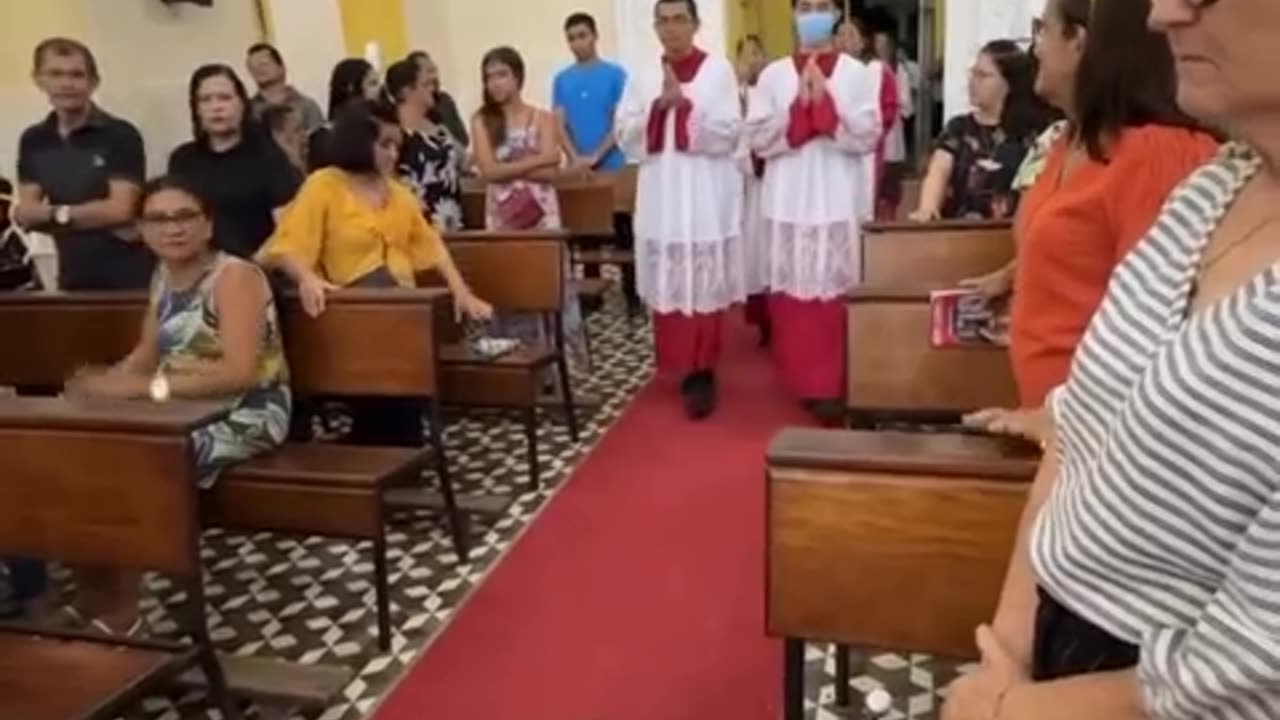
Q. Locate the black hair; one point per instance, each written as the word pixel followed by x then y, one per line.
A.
pixel 1024 115
pixel 581 18
pixel 275 116
pixel 401 76
pixel 267 48
pixel 868 40
pixel 347 83
pixel 1126 76
pixel 354 133
pixel 491 113
pixel 212 70
pixel 691 4
pixel 179 183
pixel 65 47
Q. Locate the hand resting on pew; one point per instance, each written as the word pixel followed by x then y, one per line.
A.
pixel 1029 424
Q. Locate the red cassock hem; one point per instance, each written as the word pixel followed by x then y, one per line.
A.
pixel 808 346
pixel 687 343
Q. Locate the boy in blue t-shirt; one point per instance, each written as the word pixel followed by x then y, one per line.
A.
pixel 585 96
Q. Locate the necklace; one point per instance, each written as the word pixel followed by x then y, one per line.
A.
pixel 1209 261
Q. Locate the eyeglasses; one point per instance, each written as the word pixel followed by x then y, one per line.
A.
pixel 182 218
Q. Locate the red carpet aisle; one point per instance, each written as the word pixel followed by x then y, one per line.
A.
pixel 637 594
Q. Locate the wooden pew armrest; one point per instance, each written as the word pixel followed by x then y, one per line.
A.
pixel 943 454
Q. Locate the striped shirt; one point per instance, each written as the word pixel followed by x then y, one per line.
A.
pixel 1163 527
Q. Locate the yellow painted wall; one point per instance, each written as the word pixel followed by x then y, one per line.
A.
pixel 775 26
pixel 380 21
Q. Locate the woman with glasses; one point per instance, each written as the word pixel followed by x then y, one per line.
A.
pixel 978 153
pixel 1144 581
pixel 211 334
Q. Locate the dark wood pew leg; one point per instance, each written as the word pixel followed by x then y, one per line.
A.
pixel 842 676
pixel 566 388
pixel 792 679
pixel 531 444
pixel 382 590
pixel 456 521
pixel 207 658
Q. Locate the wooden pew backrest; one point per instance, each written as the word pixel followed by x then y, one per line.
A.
pixel 513 271
pixel 892 366
pixel 334 354
pixel 367 342
pixel 136 510
pixel 890 541
pixel 49 335
pixel 933 254
pixel 587 206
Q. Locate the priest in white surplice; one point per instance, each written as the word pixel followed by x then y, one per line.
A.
pixel 682 120
pixel 815 119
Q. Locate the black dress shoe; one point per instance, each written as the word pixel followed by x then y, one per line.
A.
pixel 700 401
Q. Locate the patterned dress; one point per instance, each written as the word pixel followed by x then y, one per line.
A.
pixel 522 142
pixel 429 165
pixel 187 335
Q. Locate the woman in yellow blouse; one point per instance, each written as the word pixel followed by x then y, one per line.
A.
pixel 354 225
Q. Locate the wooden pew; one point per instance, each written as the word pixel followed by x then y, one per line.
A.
pixel 517 272
pixel 587 206
pixel 103 484
pixel 307 488
pixel 887 540
pixel 937 254
pixel 892 370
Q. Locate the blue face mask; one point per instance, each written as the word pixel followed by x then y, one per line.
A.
pixel 814 28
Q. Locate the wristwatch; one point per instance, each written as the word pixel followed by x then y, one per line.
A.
pixel 62 215
pixel 159 388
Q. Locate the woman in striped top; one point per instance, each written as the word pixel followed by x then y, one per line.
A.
pixel 1145 583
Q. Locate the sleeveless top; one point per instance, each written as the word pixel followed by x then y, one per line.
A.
pixel 1163 526
pixel 187 334
pixel 521 142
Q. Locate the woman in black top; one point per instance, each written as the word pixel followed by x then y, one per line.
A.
pixel 244 175
pixel 978 154
pixel 430 158
pixel 353 79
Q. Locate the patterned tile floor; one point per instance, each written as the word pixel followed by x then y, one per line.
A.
pixel 310 600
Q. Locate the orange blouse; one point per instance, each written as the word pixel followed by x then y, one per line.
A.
pixel 1072 233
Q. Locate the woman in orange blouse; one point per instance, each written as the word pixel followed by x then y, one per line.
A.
pixel 1124 147
pixel 354 225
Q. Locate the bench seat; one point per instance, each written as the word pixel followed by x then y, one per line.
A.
pixel 55 679
pixel 319 489
pixel 527 356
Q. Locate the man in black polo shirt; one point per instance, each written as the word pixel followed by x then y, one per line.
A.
pixel 80 172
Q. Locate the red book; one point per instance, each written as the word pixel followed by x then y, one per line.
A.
pixel 963 318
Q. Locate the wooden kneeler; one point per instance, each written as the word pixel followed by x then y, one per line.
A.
pixel 887 540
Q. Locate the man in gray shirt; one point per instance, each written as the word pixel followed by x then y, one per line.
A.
pixel 266 66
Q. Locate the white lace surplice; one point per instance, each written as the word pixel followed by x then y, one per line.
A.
pixel 815 197
pixel 688 216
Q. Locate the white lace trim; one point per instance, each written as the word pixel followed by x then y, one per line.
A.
pixel 811 262
pixel 690 277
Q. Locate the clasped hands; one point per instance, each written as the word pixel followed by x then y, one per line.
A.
pixel 813 84
pixel 672 94
pixel 980 695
